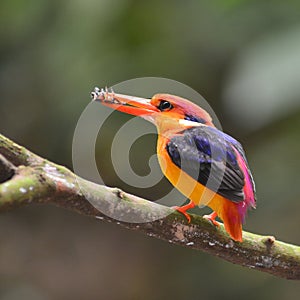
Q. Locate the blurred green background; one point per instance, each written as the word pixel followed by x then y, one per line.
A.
pixel 243 56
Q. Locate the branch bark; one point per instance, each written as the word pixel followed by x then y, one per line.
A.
pixel 26 178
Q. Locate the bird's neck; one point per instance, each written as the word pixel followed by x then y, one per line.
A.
pixel 169 126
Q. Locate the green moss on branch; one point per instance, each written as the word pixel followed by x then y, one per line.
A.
pixel 36 180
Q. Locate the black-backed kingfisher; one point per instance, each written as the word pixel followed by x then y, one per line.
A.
pixel 206 165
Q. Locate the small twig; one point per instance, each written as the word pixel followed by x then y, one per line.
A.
pixel 37 180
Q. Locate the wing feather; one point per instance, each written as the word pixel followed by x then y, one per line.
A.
pixel 208 155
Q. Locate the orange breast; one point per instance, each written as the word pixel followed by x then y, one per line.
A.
pixel 187 185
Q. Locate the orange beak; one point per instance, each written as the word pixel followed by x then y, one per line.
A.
pixel 131 105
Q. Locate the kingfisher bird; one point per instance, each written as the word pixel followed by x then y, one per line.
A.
pixel 206 165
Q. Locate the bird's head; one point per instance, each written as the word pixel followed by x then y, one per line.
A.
pixel 164 110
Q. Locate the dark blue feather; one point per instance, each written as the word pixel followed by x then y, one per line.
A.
pixel 207 155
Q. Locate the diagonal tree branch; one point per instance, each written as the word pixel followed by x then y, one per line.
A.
pixel 26 178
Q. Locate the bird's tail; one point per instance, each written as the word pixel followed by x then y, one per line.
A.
pixel 232 220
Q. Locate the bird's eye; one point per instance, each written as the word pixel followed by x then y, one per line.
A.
pixel 165 105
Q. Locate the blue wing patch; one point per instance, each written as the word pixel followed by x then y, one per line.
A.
pixel 208 156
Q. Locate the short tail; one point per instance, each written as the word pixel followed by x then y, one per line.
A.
pixel 232 220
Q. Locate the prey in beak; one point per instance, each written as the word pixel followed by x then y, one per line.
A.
pixel 131 105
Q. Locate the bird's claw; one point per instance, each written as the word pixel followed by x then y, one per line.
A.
pixel 212 219
pixel 182 211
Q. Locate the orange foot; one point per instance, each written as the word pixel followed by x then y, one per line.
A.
pixel 212 218
pixel 184 208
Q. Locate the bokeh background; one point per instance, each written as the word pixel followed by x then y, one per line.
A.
pixel 243 56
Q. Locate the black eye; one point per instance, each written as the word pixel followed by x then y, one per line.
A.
pixel 165 105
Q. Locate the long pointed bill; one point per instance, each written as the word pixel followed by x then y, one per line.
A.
pixel 131 105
